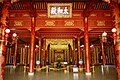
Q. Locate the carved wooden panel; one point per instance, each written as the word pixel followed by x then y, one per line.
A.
pixel 100 22
pixel 18 23
pixel 49 23
pixel 96 19
pixel 69 23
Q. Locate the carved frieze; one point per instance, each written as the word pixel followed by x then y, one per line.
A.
pixel 12 15
pixel 42 15
pixel 100 22
pixel 107 14
pixel 93 15
pixel 77 15
pixel 49 23
pixel 18 23
pixel 25 15
pixel 69 23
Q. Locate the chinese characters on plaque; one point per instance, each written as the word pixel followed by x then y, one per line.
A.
pixel 62 10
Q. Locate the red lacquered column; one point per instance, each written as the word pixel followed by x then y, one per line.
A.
pixel 31 66
pixel 117 55
pixel 3 21
pixel 86 43
pixel 79 49
pixel 117 50
pixel 2 62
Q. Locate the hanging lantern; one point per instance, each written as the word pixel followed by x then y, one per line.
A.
pixel 104 36
pixel 108 1
pixel 114 33
pixel 14 37
pixel 105 39
pixel 7 31
pixel 37 47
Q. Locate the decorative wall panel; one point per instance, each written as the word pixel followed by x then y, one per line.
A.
pixel 100 22
pixel 42 15
pixel 77 15
pixel 18 23
pixel 69 23
pixel 50 23
pixel 93 15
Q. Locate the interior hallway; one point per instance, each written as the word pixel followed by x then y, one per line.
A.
pixel 109 73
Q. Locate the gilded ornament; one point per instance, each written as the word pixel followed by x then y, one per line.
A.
pixel 69 23
pixel 25 15
pixel 50 23
pixel 12 15
pixel 18 23
pixel 77 15
pixel 100 22
pixel 93 15
pixel 42 15
pixel 107 15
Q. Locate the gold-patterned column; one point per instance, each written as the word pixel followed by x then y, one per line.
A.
pixel 95 55
pixel 109 56
pixel 39 51
pixel 7 57
pixel 26 55
pixel 50 56
pixel 79 56
pixel 21 55
pixel 44 50
pixel 68 56
pixel 74 55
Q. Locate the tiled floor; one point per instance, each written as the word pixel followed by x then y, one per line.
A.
pixel 109 73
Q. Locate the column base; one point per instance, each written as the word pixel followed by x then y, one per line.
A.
pixel 30 73
pixel 88 73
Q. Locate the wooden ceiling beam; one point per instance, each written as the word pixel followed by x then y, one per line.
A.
pixel 89 7
pixel 29 5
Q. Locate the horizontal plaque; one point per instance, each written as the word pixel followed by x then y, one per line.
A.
pixel 59 10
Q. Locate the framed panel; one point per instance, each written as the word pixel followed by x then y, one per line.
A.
pixel 59 10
